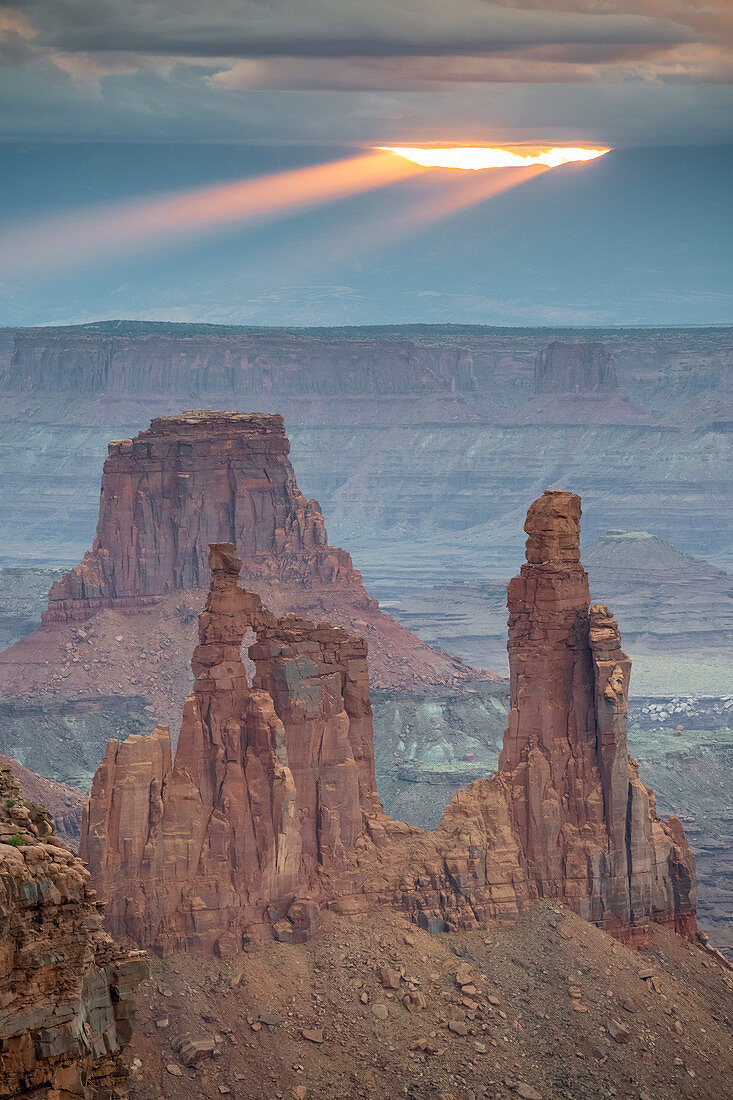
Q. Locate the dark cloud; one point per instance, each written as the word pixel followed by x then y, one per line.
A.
pixel 540 65
pixel 368 71
pixel 15 50
pixel 330 28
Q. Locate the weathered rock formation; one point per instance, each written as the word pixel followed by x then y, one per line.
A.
pixel 384 465
pixel 64 803
pixel 587 825
pixel 129 359
pixel 66 991
pixel 186 482
pixel 120 626
pixel 266 788
pixel 575 368
pixel 270 810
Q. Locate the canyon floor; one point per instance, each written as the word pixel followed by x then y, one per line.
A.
pixel 555 1009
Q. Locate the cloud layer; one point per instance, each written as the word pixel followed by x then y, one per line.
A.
pixel 617 71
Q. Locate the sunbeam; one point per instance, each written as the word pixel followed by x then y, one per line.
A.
pixel 88 235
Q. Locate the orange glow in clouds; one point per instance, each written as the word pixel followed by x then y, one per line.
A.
pixel 475 159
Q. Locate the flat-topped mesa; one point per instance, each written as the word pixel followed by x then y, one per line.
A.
pixel 588 827
pixel 188 481
pixel 265 792
pixel 575 368
pixel 122 624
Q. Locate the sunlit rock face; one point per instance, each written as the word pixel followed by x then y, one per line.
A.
pixel 269 811
pixel 575 368
pixel 66 990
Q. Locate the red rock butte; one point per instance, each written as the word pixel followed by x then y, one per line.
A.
pixel 206 477
pixel 189 481
pixel 269 811
pixel 575 368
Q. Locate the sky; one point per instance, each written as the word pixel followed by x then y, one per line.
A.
pixel 624 72
pixel 105 101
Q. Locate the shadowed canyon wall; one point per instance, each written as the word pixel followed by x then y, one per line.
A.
pixel 575 368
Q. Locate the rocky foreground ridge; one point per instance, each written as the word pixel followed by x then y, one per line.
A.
pixel 66 991
pixel 268 813
pixel 64 803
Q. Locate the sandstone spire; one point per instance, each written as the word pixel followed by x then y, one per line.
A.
pixel 122 622
pixel 586 824
pixel 270 808
pixel 222 840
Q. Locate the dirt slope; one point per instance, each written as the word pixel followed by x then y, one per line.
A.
pixel 304 1021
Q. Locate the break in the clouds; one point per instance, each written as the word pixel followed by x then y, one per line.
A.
pixel 620 71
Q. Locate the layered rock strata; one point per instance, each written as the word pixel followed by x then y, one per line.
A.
pixel 66 990
pixel 270 810
pixel 266 788
pixel 64 803
pixel 587 825
pixel 123 621
pixel 575 368
pixel 186 482
pixel 161 359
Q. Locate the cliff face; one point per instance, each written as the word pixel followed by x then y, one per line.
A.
pixel 265 790
pixel 192 480
pixel 188 481
pixel 123 622
pixel 575 368
pixel 587 825
pixel 91 360
pixel 270 811
pixel 66 991
pixel 386 466
pixel 64 803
